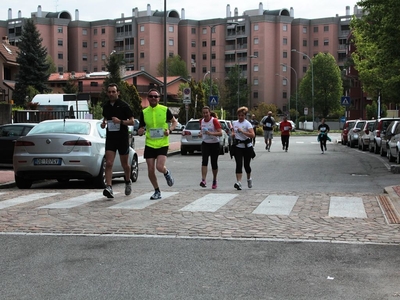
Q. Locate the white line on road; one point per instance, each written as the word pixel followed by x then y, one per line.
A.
pixel 142 201
pixel 25 199
pixel 276 205
pixel 76 201
pixel 209 203
pixel 347 207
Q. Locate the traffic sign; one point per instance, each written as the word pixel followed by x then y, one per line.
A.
pixel 345 100
pixel 213 100
pixel 187 101
pixel 186 93
pixel 305 111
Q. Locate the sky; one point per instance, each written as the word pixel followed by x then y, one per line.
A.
pixel 91 10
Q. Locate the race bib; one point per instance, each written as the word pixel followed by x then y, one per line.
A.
pixel 112 126
pixel 268 125
pixel 157 133
pixel 286 128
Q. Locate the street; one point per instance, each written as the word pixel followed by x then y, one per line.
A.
pixel 312 227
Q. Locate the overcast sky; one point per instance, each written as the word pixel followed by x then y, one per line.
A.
pixel 90 10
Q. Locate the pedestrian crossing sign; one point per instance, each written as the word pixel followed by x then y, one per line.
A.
pixel 213 100
pixel 345 101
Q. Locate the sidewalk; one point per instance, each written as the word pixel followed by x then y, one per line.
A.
pixel 7 176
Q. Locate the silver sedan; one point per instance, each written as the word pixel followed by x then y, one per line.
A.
pixel 66 149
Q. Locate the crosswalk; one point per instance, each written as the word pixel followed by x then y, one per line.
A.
pixel 272 204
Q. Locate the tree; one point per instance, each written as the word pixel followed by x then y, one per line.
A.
pixel 33 65
pixel 70 87
pixel 327 85
pixel 194 109
pixel 175 67
pixel 238 90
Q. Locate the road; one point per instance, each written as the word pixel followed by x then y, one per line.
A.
pixel 282 239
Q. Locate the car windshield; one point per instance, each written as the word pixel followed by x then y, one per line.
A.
pixel 360 125
pixel 61 127
pixel 193 126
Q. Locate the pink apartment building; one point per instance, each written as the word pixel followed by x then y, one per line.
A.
pixel 259 41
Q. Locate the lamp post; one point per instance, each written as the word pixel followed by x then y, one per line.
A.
pixel 312 82
pixel 296 87
pixel 287 79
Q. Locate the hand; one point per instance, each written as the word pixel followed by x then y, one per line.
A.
pixel 116 120
pixel 103 125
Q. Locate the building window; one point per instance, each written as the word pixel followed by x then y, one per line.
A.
pixel 95 44
pixel 103 56
pixel 141 28
pixel 103 31
pixel 326 28
pixel 284 95
pixel 171 42
pixel 255 68
pixel 204 30
pixel 84 44
pixel 103 44
pixel 84 31
pixel 141 54
pixel 60 56
pixel 84 57
pixel 256 41
pixel 204 70
pixel 204 56
pixel 284 41
pixel 284 27
pixel 213 43
pixel 60 69
pixel 193 30
pixel 171 54
pixel 193 44
pixel 95 57
pixel 255 53
pixel 304 69
pixel 60 42
pixel 284 54
pixel 315 43
pixel 304 29
pixel 94 83
pixel 255 82
pixel 304 43
pixel 255 95
pixel 213 56
pixel 95 31
pixel 95 69
pixel 326 42
pixel 315 29
pixel 204 44
pixel 193 70
pixel 284 68
pixel 171 28
pixel 255 27
pixel 213 70
pixel 142 68
pixel 141 42
pixel 284 81
pixel 60 30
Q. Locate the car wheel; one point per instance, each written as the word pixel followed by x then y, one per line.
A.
pixel 22 183
pixel 134 169
pixel 391 157
pixel 183 151
pixel 370 148
pixel 351 144
pixel 382 152
pixel 398 157
pixel 100 180
pixel 360 146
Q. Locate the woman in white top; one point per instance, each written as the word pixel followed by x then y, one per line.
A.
pixel 243 133
pixel 210 131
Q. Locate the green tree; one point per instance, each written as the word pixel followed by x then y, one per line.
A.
pixel 195 107
pixel 52 65
pixel 175 67
pixel 132 97
pixel 327 85
pixel 238 90
pixel 33 65
pixel 70 87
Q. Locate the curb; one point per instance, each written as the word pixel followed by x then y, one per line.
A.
pixel 394 197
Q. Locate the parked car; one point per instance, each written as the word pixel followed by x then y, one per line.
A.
pixel 389 133
pixel 346 127
pixel 9 133
pixel 227 127
pixel 379 131
pixel 365 135
pixel 393 144
pixel 134 129
pixel 66 149
pixel 190 140
pixel 352 136
pixel 179 127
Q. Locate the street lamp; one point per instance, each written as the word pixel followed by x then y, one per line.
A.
pixel 296 86
pixel 312 82
pixel 287 79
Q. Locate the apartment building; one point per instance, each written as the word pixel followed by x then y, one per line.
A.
pixel 259 41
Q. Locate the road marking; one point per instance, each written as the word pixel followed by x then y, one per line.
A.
pixel 209 203
pixel 276 205
pixel 142 201
pixel 347 207
pixel 25 199
pixel 76 201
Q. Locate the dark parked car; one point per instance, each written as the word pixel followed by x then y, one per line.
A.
pixel 393 145
pixel 346 127
pixel 379 131
pixel 9 133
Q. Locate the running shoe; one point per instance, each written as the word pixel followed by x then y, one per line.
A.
pixel 169 178
pixel 156 196
pixel 238 186
pixel 250 183
pixel 214 185
pixel 108 192
pixel 128 188
pixel 203 183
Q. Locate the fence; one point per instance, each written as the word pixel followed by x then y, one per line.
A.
pixel 37 116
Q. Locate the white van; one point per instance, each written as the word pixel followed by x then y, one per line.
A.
pixel 55 102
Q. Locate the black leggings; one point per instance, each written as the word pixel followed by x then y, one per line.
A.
pixel 243 155
pixel 322 142
pixel 285 141
pixel 210 150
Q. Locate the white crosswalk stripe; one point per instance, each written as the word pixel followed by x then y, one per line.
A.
pixel 142 201
pixel 209 203
pixel 76 201
pixel 25 199
pixel 347 207
pixel 276 205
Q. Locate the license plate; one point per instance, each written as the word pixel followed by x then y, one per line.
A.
pixel 47 161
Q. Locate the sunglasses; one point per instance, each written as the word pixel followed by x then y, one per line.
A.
pixel 153 96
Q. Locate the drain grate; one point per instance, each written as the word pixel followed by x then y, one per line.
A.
pixel 388 210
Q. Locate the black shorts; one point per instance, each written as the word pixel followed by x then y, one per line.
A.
pixel 153 153
pixel 122 145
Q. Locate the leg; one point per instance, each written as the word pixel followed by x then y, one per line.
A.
pixel 126 166
pixel 110 156
pixel 152 172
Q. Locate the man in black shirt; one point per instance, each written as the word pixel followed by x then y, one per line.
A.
pixel 117 116
pixel 323 130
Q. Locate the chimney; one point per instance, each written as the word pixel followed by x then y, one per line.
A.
pixel 292 12
pixel 183 17
pixel 122 15
pixel 260 9
pixel 9 13
pixel 19 14
pixel 135 12
pixel 148 10
pixel 228 11
pixel 39 11
pixel 347 10
pixel 236 12
pixel 76 15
